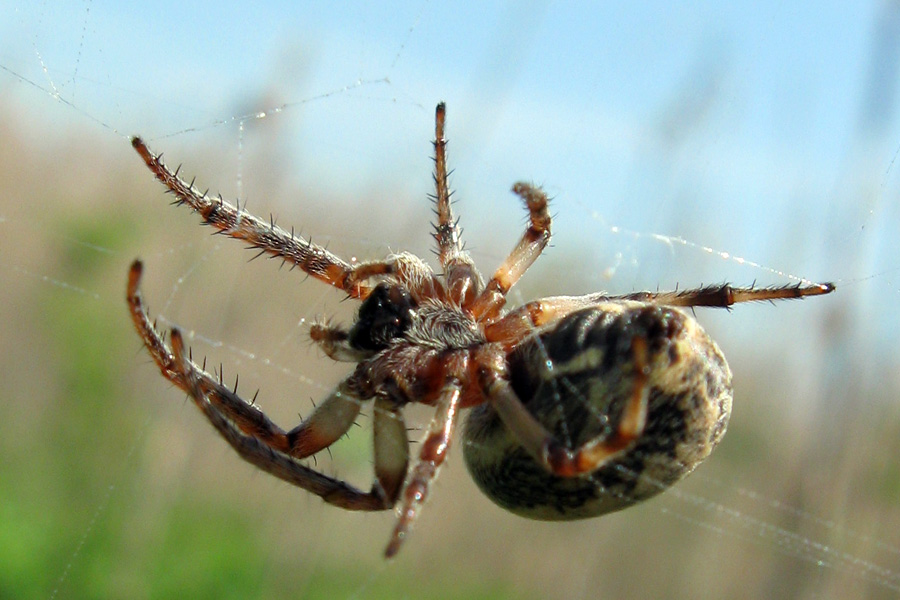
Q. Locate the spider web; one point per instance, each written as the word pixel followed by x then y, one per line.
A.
pixel 660 191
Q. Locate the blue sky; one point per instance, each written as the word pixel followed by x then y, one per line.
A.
pixel 783 81
pixel 735 126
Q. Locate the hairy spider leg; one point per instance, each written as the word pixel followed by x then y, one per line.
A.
pixel 257 439
pixel 434 449
pixel 723 296
pixel 264 236
pixel 446 231
pixel 463 282
pixel 391 449
pixel 487 307
pixel 524 320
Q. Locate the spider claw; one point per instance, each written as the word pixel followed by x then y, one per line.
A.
pixel 134 278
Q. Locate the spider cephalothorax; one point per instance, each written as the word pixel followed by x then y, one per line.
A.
pixel 583 404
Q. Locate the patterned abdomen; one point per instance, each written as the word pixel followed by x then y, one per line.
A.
pixel 575 378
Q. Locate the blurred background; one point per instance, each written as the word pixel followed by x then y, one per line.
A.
pixel 747 142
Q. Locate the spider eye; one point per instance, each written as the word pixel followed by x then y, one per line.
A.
pixel 383 316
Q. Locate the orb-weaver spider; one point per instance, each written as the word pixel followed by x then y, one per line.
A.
pixel 581 405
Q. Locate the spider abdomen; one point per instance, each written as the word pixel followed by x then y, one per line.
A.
pixel 576 378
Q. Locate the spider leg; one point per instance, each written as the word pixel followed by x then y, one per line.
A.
pixel 446 232
pixel 723 296
pixel 391 446
pixel 328 422
pixel 262 235
pixel 463 279
pixel 255 438
pixel 555 455
pixel 524 320
pixel 487 306
pixel 433 453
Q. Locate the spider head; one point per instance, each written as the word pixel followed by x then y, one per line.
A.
pixel 384 315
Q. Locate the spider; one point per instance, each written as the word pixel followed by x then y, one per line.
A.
pixel 581 405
